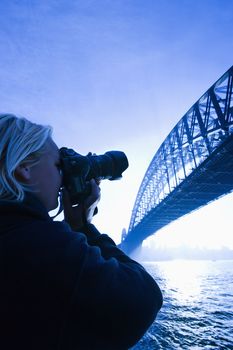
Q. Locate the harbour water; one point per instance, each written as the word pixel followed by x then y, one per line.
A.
pixel 198 306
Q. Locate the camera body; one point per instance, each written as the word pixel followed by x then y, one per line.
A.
pixel 78 170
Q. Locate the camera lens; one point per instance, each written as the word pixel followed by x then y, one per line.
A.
pixel 107 166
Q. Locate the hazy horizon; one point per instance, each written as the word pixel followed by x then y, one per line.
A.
pixel 182 253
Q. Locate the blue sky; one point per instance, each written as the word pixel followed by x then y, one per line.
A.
pixel 118 74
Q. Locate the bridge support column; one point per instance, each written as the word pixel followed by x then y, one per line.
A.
pixel 131 249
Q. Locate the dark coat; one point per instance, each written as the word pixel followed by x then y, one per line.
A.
pixel 65 290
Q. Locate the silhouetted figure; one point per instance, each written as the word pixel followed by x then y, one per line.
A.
pixel 63 284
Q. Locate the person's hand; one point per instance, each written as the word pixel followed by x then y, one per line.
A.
pixel 81 214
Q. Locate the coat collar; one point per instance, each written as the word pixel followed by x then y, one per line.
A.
pixel 14 212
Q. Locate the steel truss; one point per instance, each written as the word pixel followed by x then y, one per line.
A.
pixel 199 133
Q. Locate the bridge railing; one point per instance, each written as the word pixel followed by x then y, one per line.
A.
pixel 198 133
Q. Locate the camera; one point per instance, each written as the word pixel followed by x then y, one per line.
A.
pixel 77 170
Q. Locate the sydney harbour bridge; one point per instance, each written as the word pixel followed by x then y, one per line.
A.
pixel 192 167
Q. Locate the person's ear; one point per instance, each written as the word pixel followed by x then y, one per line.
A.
pixel 23 172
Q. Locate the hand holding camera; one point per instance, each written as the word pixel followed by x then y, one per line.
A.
pixel 77 216
pixel 81 177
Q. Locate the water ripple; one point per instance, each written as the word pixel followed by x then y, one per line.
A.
pixel 198 306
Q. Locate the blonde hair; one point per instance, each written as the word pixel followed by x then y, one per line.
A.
pixel 20 141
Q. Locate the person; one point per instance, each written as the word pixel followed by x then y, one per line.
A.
pixel 64 285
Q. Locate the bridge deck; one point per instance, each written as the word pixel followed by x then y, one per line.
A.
pixel 192 167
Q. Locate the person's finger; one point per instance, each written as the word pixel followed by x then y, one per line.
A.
pixel 94 196
pixel 66 198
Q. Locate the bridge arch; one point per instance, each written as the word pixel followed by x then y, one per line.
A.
pixel 193 165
